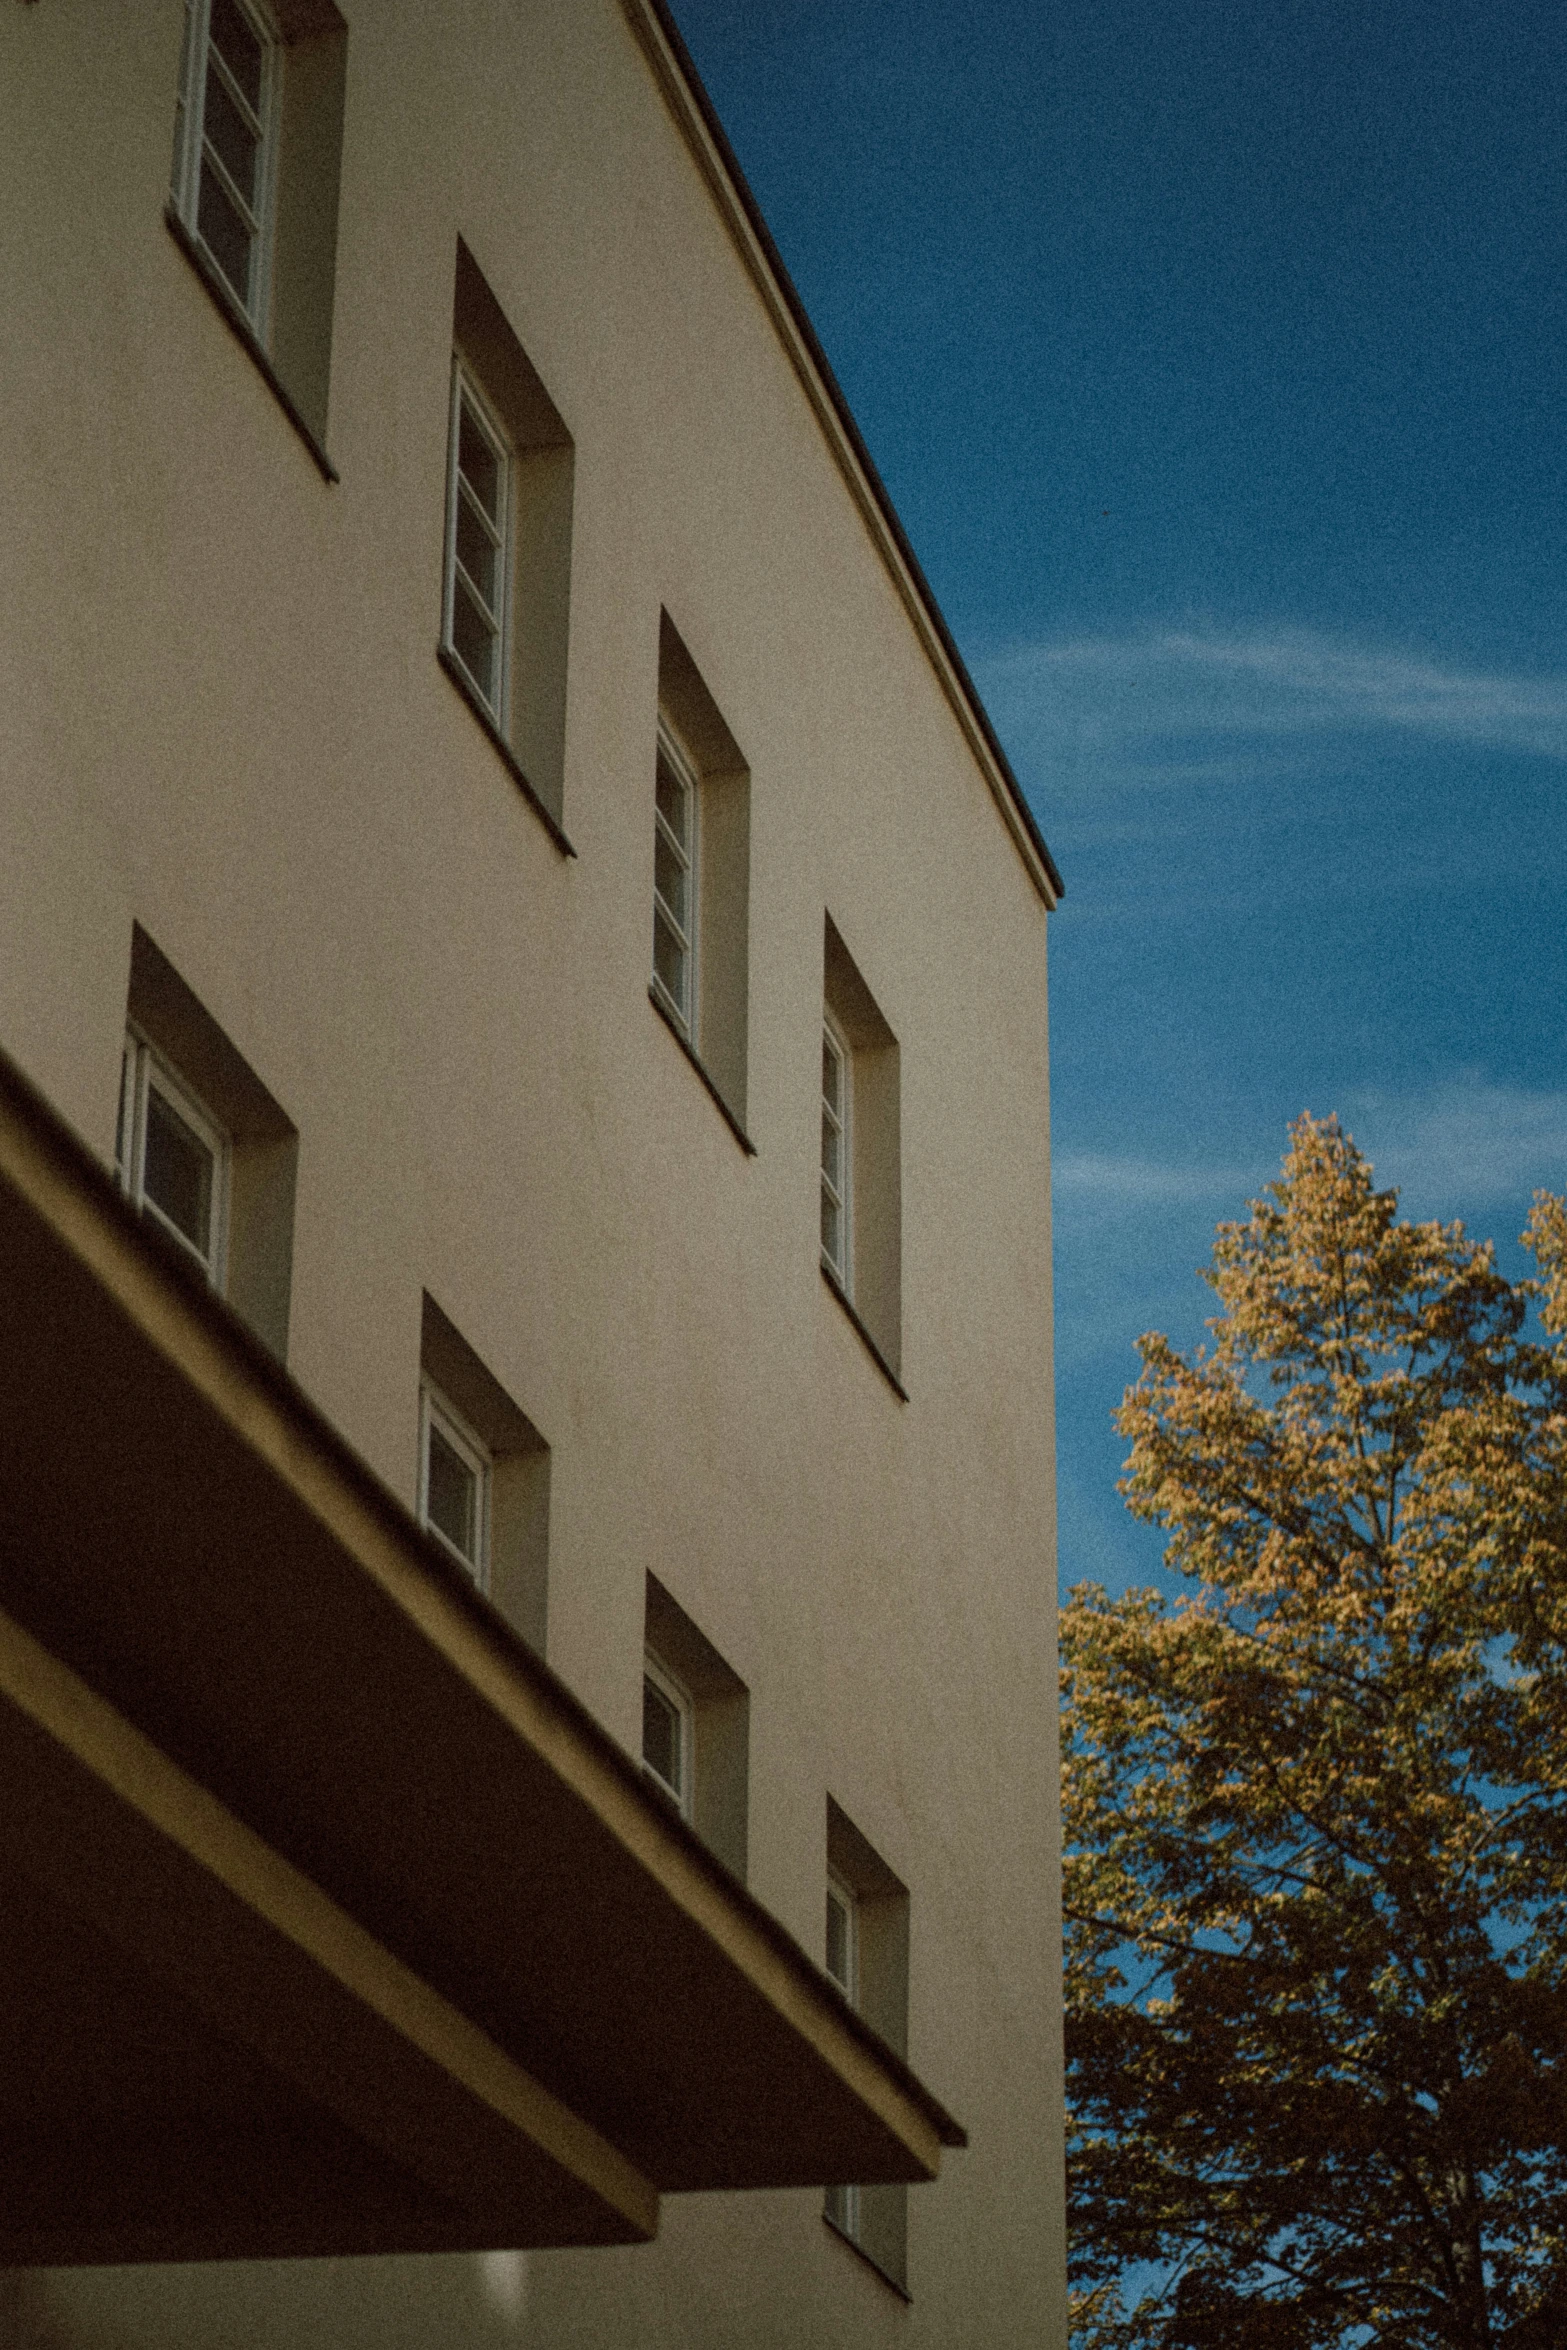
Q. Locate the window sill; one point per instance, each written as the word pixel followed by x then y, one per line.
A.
pixel 876 1355
pixel 684 1042
pixel 502 748
pixel 892 2283
pixel 240 327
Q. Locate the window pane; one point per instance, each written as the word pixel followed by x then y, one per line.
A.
pixel 185 64
pixel 832 1153
pixel 473 640
pixel 661 1736
pixel 177 162
pixel 670 879
pixel 122 1140
pixel 832 1231
pixel 452 1497
pixel 231 136
pixel 224 233
pixel 837 1938
pixel 239 48
pixel 476 550
pixel 843 2209
pixel 478 464
pixel 673 800
pixel 669 961
pixel 832 1075
pixel 177 1173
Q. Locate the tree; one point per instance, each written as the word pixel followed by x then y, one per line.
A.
pixel 1317 1807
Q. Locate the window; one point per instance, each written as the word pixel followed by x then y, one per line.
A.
pixel 701 880
pixel 835 1152
pixel 843 1964
pixel 483 1476
pixel 225 140
pixel 478 544
pixel 674 879
pixel 861 1154
pixel 202 1147
pixel 506 570
pixel 668 1740
pixel 454 1483
pixel 253 194
pixel 843 1937
pixel 696 1714
pixel 172 1157
pixel 867 1956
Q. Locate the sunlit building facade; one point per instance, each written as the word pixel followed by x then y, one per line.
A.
pixel 526 1488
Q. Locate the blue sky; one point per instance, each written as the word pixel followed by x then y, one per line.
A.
pixel 1214 357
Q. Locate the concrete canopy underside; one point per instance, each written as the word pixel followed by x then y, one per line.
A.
pixel 332 1922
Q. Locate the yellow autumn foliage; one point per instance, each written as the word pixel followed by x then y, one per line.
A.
pixel 1317 1806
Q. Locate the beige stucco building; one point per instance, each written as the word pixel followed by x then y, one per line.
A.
pixel 526 1489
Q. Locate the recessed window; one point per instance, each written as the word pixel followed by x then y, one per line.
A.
pixel 843 2203
pixel 835 1150
pixel 668 1732
pixel 258 133
pixel 225 136
pixel 506 569
pixel 867 1956
pixel 172 1156
pixel 861 1157
pixel 674 879
pixel 478 543
pixel 842 2206
pixel 483 1476
pixel 454 1482
pixel 842 1936
pixel 696 1726
pixel 203 1148
pixel 701 879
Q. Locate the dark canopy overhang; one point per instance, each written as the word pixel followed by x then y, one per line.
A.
pixel 332 1922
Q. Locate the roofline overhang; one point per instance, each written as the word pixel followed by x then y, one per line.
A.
pixel 697 119
pixel 135 1852
pixel 189 1554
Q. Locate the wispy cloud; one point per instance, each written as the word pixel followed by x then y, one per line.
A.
pixel 1458 1147
pixel 1463 1145
pixel 1100 1178
pixel 1193 706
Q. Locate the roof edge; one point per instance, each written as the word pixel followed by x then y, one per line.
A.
pixel 697 117
pixel 58 1173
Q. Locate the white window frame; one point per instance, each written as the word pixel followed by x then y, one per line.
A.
pixel 840 1891
pixel 679 1698
pixel 842 2204
pixel 842 2207
pixel 672 753
pixel 190 145
pixel 436 1412
pixel 841 1193
pixel 143 1070
pixel 466 390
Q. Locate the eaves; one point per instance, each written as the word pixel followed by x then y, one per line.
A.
pixel 697 120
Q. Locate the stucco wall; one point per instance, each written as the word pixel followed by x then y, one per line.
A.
pixel 225 721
